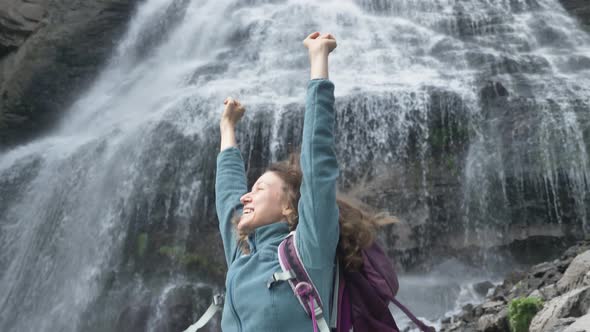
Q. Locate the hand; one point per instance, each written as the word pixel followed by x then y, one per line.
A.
pixel 233 111
pixel 320 44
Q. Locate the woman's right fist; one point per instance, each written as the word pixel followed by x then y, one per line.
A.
pixel 233 111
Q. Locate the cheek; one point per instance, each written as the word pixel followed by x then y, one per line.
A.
pixel 271 202
pixel 276 199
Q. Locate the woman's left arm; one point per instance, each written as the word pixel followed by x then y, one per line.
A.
pixel 318 229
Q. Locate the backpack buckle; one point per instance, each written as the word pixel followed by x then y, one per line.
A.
pixel 218 300
pixel 279 276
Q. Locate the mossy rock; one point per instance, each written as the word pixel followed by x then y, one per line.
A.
pixel 521 312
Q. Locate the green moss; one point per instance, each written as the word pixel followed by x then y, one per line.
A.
pixel 171 252
pixel 142 241
pixel 443 138
pixel 190 259
pixel 521 312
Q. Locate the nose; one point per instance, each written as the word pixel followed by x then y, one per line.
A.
pixel 245 198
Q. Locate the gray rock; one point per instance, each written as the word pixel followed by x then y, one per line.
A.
pixel 492 306
pixel 538 294
pixel 478 311
pixel 549 291
pixel 574 303
pixel 539 270
pixel 558 312
pixel 482 288
pixel 575 273
pixel 467 312
pixel 562 324
pixel 494 322
pixel 581 324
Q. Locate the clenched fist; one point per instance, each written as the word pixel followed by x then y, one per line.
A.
pixel 320 44
pixel 233 111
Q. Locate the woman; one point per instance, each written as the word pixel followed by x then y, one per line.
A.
pixel 287 196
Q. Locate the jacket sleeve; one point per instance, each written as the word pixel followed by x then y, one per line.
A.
pixel 318 228
pixel 230 185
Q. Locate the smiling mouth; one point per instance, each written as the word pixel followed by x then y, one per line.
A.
pixel 247 211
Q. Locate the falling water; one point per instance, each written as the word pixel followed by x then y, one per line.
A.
pixel 465 118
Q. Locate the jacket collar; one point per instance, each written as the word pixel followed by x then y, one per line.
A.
pixel 267 234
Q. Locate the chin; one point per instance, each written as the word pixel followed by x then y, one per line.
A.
pixel 244 225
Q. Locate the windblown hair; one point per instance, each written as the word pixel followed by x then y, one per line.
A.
pixel 358 221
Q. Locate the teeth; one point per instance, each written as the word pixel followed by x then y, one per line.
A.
pixel 248 211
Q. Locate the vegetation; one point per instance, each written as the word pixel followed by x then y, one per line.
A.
pixel 521 312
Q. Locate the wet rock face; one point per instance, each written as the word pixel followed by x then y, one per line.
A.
pixel 580 9
pixel 49 51
pixel 18 20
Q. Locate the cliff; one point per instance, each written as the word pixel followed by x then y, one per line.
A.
pixel 49 51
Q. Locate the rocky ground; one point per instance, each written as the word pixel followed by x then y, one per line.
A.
pixel 563 285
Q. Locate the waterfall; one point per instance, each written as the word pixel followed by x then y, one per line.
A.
pixel 467 119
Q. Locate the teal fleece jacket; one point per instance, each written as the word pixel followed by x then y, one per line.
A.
pixel 249 304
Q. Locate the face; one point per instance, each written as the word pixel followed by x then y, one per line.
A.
pixel 265 204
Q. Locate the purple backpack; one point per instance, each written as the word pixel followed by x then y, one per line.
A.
pixel 360 299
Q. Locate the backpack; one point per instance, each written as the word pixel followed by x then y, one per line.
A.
pixel 360 299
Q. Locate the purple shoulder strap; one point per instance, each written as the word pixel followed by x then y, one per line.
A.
pixel 291 261
pixel 303 287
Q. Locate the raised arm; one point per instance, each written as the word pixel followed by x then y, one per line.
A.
pixel 318 229
pixel 230 179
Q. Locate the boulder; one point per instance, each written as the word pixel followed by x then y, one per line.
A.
pixel 581 324
pixel 538 294
pixel 497 322
pixel 482 288
pixel 575 273
pixel 492 305
pixel 549 291
pixel 562 324
pixel 540 270
pixel 574 303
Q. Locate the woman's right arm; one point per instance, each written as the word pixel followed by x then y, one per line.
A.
pixel 230 178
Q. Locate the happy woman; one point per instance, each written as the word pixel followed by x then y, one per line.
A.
pixel 298 194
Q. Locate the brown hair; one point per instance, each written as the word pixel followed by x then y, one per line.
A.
pixel 358 221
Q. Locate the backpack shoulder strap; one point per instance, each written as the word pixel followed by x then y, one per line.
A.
pixel 216 306
pixel 294 272
pixel 410 315
pixel 335 297
pixel 380 274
